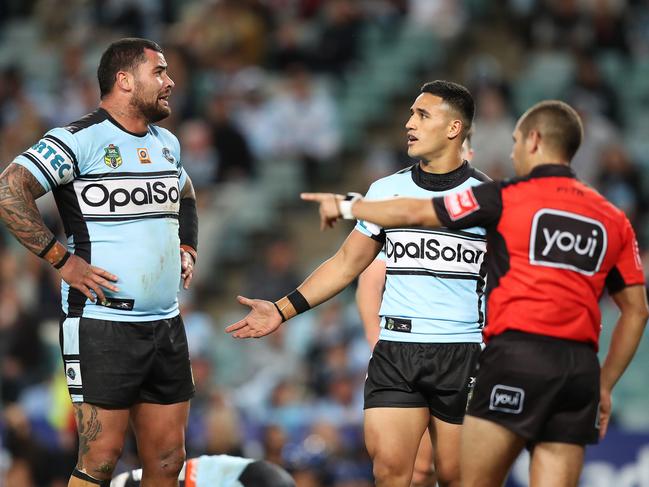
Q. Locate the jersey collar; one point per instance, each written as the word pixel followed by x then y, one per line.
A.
pixel 440 182
pixel 552 170
pixel 118 125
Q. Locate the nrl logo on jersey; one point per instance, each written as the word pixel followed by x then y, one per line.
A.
pixel 112 157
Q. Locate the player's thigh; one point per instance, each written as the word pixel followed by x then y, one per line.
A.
pixel 556 464
pixel 392 435
pixel 424 473
pixel 160 429
pixel 487 452
pixel 446 438
pixel 101 432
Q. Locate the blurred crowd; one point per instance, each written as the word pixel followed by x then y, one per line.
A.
pixel 259 81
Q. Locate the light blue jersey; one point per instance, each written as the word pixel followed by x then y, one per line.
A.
pixel 204 471
pixel 435 278
pixel 118 194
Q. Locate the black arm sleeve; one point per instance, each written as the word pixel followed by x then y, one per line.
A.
pixel 478 206
pixel 188 223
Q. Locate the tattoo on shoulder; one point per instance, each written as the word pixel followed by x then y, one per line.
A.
pixel 19 190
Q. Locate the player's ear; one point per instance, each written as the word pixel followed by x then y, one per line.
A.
pixel 124 81
pixel 455 129
pixel 533 141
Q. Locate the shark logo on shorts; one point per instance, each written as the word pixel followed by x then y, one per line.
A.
pixel 71 373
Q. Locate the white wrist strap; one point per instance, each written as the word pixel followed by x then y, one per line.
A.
pixel 345 206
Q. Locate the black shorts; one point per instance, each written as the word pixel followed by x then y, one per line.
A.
pixel 437 376
pixel 542 388
pixel 116 364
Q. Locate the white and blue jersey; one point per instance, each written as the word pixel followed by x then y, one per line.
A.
pixel 204 471
pixel 118 194
pixel 435 278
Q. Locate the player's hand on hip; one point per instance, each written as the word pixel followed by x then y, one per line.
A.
pixel 186 268
pixel 262 319
pixel 329 209
pixel 87 278
pixel 605 407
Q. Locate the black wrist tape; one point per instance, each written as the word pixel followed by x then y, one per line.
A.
pixel 63 260
pixel 298 301
pixel 280 312
pixel 47 248
pixel 188 223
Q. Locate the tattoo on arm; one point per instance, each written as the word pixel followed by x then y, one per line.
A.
pixel 19 190
pixel 187 190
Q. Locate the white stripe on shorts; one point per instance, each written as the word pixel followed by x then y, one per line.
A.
pixel 71 336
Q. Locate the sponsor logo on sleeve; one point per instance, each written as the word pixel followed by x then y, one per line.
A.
pixel 567 240
pixel 507 399
pixel 461 204
pixel 51 159
pixel 112 157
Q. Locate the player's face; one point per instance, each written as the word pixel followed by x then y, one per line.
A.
pixel 518 153
pixel 152 87
pixel 428 125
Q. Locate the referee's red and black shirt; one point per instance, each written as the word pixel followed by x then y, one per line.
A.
pixel 553 244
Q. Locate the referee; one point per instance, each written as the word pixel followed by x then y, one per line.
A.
pixel 554 244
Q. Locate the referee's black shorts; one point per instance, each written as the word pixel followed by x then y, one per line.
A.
pixel 437 376
pixel 542 388
pixel 115 364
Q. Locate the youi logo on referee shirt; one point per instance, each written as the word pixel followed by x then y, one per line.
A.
pixel 128 197
pixel 417 251
pixel 567 240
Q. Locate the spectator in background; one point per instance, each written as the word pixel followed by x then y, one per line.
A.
pixel 20 120
pixel 493 131
pixel 591 90
pixel 234 155
pixel 337 44
pixel 274 272
pixel 621 182
pixel 199 157
pixel 599 133
pixel 306 124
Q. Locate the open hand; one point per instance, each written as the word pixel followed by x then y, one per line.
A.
pixel 605 406
pixel 86 278
pixel 329 210
pixel 262 319
pixel 186 268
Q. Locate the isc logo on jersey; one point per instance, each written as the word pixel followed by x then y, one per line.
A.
pixel 128 197
pixel 567 241
pixel 434 251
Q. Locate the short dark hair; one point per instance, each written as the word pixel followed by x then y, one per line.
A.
pixel 557 122
pixel 122 55
pixel 458 98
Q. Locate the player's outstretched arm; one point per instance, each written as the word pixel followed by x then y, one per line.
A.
pixel 326 281
pixel 395 212
pixel 369 295
pixel 632 301
pixel 18 193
